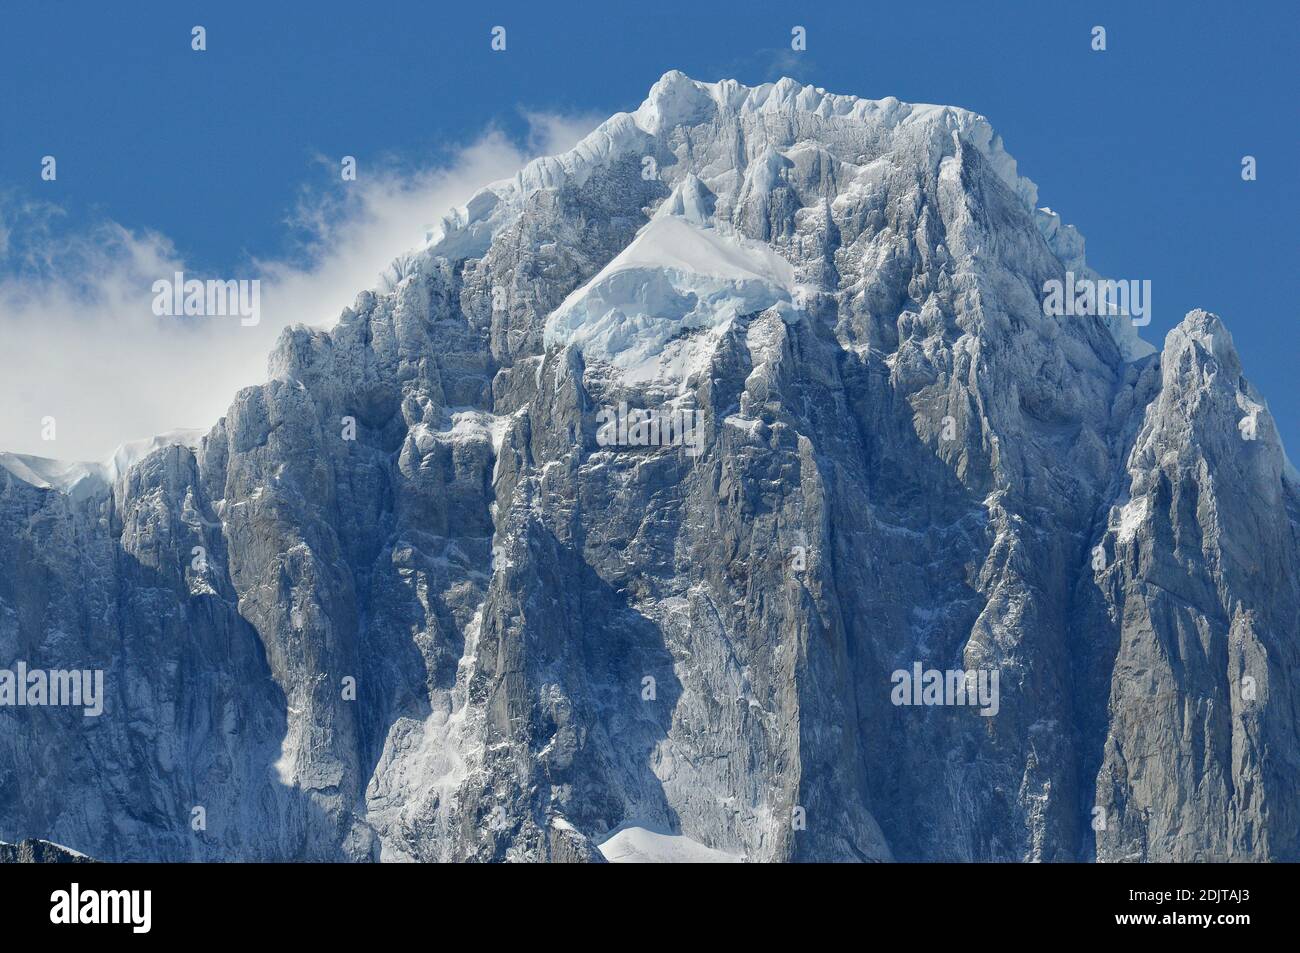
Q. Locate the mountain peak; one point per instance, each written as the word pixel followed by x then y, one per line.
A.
pixel 1206 330
pixel 629 503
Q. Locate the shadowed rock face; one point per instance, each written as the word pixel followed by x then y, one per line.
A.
pixel 408 601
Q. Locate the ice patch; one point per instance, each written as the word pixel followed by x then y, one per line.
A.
pixel 635 844
pixel 751 427
pixel 468 424
pixel 679 274
pixel 1131 515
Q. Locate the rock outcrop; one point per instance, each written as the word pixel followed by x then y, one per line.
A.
pixel 40 852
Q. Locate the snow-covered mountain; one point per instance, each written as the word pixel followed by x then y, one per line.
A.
pixel 408 600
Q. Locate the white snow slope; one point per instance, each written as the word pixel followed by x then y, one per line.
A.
pixel 631 844
pixel 682 272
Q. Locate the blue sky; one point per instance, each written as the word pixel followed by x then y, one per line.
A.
pixel 230 156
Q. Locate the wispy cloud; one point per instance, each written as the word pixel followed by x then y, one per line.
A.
pixel 79 341
pixel 551 132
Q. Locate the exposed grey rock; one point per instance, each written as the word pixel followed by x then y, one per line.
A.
pixel 500 585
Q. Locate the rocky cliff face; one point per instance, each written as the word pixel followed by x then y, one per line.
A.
pixel 415 599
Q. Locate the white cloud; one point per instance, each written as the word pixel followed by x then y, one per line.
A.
pixel 79 341
pixel 551 133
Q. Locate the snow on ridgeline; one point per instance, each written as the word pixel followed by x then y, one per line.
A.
pixel 85 478
pixel 632 843
pixel 677 100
